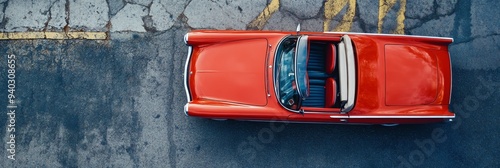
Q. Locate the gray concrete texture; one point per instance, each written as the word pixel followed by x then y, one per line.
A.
pixel 118 102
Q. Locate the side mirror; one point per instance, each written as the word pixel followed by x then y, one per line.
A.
pixel 301 111
pixel 298 29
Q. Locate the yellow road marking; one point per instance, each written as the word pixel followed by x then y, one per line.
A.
pixel 333 7
pixel 53 35
pixel 265 15
pixel 383 9
pixel 400 20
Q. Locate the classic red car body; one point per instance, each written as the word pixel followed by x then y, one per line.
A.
pixel 398 79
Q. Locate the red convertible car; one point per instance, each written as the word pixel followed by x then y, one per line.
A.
pixel 317 77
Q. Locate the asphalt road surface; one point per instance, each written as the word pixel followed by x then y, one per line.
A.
pixel 117 101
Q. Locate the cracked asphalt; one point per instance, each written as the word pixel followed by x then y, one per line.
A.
pixel 118 102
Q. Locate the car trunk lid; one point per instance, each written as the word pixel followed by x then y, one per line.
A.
pixel 411 75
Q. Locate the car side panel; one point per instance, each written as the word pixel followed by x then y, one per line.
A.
pixel 208 109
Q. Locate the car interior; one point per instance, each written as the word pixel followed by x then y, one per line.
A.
pixel 323 76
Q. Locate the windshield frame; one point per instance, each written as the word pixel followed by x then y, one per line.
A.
pixel 277 72
pixel 300 63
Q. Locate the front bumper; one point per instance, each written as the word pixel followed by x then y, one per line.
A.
pixel 186 75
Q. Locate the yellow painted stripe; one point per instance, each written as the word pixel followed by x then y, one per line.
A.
pixel 265 15
pixel 53 35
pixel 346 23
pixel 383 9
pixel 332 9
pixel 400 20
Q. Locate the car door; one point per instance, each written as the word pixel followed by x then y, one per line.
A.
pixel 319 115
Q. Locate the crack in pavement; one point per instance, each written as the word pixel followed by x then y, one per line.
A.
pixel 361 21
pixel 183 18
pixel 172 148
pixel 135 3
pixel 147 20
pixel 49 11
pixel 476 37
pixel 4 19
pixel 66 9
pixel 462 25
pixel 433 16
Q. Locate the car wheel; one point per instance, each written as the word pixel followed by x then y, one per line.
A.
pixel 389 125
pixel 219 119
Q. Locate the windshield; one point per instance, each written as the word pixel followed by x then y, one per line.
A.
pixel 301 67
pixel 291 72
pixel 285 74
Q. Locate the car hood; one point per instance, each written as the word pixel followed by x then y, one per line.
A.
pixel 231 72
pixel 411 75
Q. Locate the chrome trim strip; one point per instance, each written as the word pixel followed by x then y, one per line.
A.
pixel 451 78
pixel 351 73
pixel 320 112
pixel 397 35
pixel 187 73
pixel 416 117
pixel 267 70
pixel 304 122
pixel 341 117
pixel 342 72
